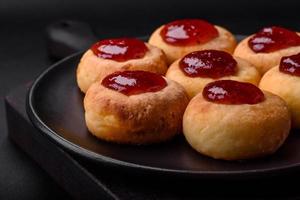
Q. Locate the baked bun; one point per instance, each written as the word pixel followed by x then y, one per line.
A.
pixel 95 66
pixel 285 85
pixel 228 130
pixel 266 58
pixel 210 65
pixel 204 36
pixel 129 107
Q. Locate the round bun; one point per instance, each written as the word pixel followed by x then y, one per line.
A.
pixel 92 68
pixel 224 42
pixel 262 61
pixel 234 132
pixel 137 119
pixel 287 87
pixel 194 85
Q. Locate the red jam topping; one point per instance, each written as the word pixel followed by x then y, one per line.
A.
pixel 208 64
pixel 120 50
pixel 290 65
pixel 272 39
pixel 134 82
pixel 232 92
pixel 188 32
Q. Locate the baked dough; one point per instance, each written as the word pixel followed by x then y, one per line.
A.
pixel 234 132
pixel 92 68
pixel 224 42
pixel 137 119
pixel 287 87
pixel 262 61
pixel 194 85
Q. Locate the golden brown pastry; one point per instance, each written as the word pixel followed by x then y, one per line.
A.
pixel 284 81
pixel 198 68
pixel 135 107
pixel 181 37
pixel 265 48
pixel 108 56
pixel 232 120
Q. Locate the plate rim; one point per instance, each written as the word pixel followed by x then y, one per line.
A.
pixel 93 156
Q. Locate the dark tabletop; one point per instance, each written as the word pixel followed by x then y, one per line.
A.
pixel 23 54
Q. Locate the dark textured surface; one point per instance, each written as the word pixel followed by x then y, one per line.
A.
pixel 21 178
pixel 139 15
pixel 62 168
pixel 23 53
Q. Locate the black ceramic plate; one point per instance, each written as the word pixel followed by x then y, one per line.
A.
pixel 55 107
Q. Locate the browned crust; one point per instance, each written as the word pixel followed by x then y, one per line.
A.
pixel 92 68
pixel 234 132
pixel 137 119
pixel 194 85
pixel 224 42
pixel 262 61
pixel 287 87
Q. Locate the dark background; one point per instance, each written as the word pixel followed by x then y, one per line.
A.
pixel 23 53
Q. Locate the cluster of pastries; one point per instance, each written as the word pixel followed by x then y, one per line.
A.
pixel 231 101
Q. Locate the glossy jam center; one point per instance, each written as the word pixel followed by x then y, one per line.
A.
pixel 290 65
pixel 134 82
pixel 232 92
pixel 272 39
pixel 208 64
pixel 188 32
pixel 120 50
